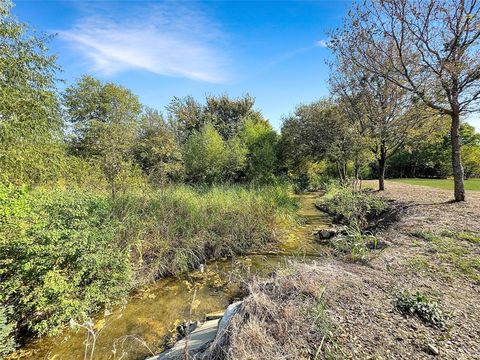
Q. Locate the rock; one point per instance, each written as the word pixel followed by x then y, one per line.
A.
pixel 186 328
pixel 378 245
pixel 325 234
pixel 432 349
pixel 321 207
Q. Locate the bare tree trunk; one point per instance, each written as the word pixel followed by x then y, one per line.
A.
pixel 356 171
pixel 459 189
pixel 341 173
pixel 381 167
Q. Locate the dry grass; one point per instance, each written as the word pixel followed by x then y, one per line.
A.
pixel 283 317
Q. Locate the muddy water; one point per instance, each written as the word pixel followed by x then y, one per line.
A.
pixel 137 329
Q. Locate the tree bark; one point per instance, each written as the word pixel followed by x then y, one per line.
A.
pixel 459 189
pixel 356 169
pixel 342 171
pixel 381 167
pixel 339 172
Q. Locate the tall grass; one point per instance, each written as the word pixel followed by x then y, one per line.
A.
pixel 67 253
pixel 181 227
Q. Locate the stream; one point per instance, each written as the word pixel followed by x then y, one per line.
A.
pixel 136 329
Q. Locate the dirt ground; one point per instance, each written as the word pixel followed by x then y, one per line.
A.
pixel 434 248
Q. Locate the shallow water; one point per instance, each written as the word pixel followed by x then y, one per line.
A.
pixel 137 329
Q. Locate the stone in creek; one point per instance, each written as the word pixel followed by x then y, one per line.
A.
pixel 325 234
pixel 186 328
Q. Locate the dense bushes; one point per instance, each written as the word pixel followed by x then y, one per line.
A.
pixel 354 209
pixel 211 159
pixel 7 342
pixel 66 254
pixel 58 256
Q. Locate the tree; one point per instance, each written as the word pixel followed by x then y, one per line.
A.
pixel 156 149
pixel 471 156
pixel 227 115
pixel 470 150
pixel 210 159
pixel 261 141
pixel 236 154
pixel 30 122
pixel 426 152
pixel 205 155
pixel 377 109
pixel 186 116
pixel 432 50
pixel 104 117
pixel 317 131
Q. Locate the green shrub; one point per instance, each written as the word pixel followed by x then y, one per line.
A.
pixel 59 256
pixel 354 209
pixel 7 341
pixel 311 176
pixel 261 141
pixel 419 305
pixel 210 159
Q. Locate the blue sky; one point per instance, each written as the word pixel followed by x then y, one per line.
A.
pixel 275 51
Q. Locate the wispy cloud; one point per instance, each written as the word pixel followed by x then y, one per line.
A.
pixel 170 40
pixel 298 51
pixel 322 43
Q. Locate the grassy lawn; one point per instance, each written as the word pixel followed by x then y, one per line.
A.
pixel 472 184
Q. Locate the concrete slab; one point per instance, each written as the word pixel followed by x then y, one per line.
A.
pixel 197 341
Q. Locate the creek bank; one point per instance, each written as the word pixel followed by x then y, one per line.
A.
pixel 154 310
pixel 433 243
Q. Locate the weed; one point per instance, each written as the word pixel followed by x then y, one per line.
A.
pixel 449 254
pixel 328 347
pixel 419 263
pixel 417 304
pixel 473 238
pixel 283 317
pixel 355 243
pixel 425 235
pixel 66 254
pixel 7 341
